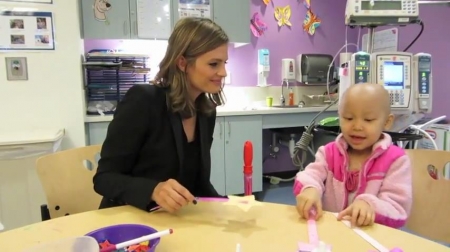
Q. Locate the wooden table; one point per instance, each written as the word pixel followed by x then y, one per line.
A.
pixel 216 227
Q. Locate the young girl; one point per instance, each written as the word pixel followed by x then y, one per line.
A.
pixel 361 175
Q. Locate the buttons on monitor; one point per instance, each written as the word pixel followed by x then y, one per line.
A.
pixel 397 97
pixel 409 6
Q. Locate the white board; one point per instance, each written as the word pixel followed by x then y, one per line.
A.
pixel 384 41
pixel 153 19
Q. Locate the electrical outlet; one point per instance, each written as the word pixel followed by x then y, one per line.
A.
pixel 228 79
pixel 16 68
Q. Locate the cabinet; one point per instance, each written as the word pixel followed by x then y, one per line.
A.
pixel 126 19
pixel 230 134
pixel 96 132
pixel 218 158
pixel 106 20
pixel 232 15
pixel 227 160
pixel 154 19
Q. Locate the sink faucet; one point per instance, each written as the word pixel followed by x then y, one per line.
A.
pixel 282 99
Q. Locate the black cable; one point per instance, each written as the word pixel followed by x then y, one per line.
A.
pixel 422 27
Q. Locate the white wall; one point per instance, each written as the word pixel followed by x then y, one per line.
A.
pixel 53 95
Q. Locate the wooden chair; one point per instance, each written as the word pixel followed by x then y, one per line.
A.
pixel 66 178
pixel 431 201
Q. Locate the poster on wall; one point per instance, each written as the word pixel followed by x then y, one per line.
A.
pixel 30 1
pixel 194 8
pixel 23 30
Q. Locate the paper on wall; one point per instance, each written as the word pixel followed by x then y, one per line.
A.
pixel 194 8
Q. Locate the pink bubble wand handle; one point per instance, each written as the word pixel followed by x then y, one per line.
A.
pixel 248 168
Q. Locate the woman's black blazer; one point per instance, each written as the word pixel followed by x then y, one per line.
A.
pixel 144 146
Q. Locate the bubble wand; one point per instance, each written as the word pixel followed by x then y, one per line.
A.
pixel 248 168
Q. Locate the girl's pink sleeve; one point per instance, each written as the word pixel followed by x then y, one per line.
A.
pixel 393 203
pixel 314 174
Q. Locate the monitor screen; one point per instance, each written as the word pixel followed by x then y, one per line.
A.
pixel 393 75
pixel 381 5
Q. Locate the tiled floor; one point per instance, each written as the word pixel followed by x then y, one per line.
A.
pixel 282 194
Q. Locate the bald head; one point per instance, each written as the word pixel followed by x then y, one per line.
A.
pixel 368 95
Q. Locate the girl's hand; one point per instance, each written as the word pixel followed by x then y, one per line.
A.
pixel 360 213
pixel 308 200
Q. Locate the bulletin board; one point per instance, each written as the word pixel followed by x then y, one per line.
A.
pixel 383 41
pixel 23 30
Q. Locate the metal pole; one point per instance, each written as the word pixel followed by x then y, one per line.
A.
pixel 370 37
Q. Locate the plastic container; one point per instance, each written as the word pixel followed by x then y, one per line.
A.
pixel 124 232
pixel 73 244
pixel 291 97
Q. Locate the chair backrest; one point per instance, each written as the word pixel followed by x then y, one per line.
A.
pixel 431 201
pixel 66 177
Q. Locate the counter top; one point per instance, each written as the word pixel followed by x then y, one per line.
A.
pixel 233 111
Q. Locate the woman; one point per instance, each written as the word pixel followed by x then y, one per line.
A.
pixel 157 149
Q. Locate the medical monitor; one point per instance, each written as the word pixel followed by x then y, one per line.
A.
pixel 423 79
pixel 381 12
pixel 394 71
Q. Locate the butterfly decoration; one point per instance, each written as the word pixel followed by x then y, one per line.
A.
pixel 257 26
pixel 311 22
pixel 307 4
pixel 266 2
pixel 282 15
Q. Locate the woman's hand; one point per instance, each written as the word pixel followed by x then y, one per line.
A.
pixel 360 213
pixel 171 195
pixel 307 201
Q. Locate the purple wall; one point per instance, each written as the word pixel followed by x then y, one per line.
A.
pixel 434 40
pixel 288 42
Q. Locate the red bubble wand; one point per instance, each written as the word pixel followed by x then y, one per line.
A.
pixel 248 168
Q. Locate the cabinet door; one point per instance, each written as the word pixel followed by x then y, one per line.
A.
pixel 106 19
pixel 175 14
pixel 238 130
pixel 218 157
pixel 151 19
pixel 97 132
pixel 234 17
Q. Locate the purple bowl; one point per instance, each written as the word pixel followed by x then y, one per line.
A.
pixel 124 232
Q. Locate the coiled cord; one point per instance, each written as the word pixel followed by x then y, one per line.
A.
pixel 305 142
pixel 302 146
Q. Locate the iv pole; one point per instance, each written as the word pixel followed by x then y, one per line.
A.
pixel 370 35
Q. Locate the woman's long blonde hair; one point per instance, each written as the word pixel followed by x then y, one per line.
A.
pixel 191 38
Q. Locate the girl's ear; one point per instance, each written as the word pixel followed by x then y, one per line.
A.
pixel 389 122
